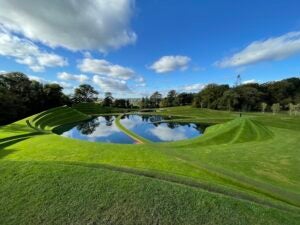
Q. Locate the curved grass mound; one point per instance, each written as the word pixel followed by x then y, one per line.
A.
pixel 96 108
pixel 91 108
pixel 236 131
pixel 55 117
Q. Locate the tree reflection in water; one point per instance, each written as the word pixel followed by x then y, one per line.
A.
pixel 88 127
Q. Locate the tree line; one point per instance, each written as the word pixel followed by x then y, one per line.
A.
pixel 21 97
pixel 173 98
pixel 271 96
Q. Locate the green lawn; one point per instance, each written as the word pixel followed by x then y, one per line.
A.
pixel 241 171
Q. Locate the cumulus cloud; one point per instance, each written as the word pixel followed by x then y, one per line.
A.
pixel 103 67
pixel 192 87
pixel 111 84
pixel 69 77
pixel 164 133
pixel 276 48
pixel 73 24
pixel 65 85
pixel 170 63
pixel 38 79
pixel 250 81
pixel 27 53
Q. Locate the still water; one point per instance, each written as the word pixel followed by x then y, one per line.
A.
pixel 153 128
pixel 99 129
pixel 158 129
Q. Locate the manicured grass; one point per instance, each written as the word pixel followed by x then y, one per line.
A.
pixel 242 171
pixel 96 109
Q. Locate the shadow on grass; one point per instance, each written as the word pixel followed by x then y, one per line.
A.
pixel 6 142
pixel 4 153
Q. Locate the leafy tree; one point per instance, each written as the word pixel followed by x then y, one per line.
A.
pixel 171 98
pixel 85 93
pixel 108 99
pixel 163 103
pixel 122 103
pixel 155 99
pixel 248 98
pixel 185 98
pixel 54 96
pixel 211 95
pixel 229 100
pixel 21 97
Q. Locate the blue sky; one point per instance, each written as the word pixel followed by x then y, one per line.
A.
pixel 133 48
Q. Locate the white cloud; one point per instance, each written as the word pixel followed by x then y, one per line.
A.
pixel 192 87
pixel 27 53
pixel 68 77
pixel 76 25
pixel 38 79
pixel 132 122
pixel 111 84
pixel 65 85
pixel 250 81
pixel 103 67
pixel 164 133
pixel 276 48
pixel 140 81
pixel 170 63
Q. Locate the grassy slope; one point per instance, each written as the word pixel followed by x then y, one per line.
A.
pixel 262 170
pixel 96 109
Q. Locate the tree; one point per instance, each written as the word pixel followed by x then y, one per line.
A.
pixel 108 99
pixel 185 98
pixel 21 97
pixel 54 96
pixel 85 93
pixel 229 100
pixel 163 103
pixel 142 103
pixel 249 98
pixel 264 107
pixel 155 99
pixel 121 103
pixel 211 95
pixel 275 108
pixel 171 98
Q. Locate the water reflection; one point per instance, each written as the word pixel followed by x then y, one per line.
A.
pixel 100 129
pixel 88 127
pixel 158 129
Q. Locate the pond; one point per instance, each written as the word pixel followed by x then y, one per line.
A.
pixel 158 129
pixel 99 129
pixel 153 128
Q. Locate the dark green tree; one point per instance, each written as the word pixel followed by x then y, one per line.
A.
pixel 108 99
pixel 155 99
pixel 85 93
